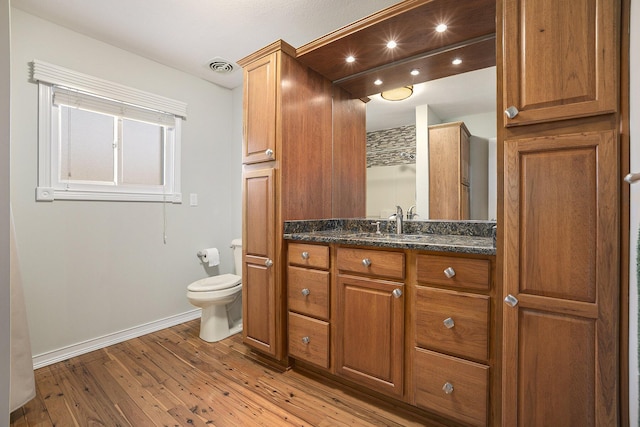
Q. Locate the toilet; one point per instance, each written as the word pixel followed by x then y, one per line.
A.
pixel 220 298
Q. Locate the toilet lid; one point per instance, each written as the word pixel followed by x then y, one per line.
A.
pixel 215 283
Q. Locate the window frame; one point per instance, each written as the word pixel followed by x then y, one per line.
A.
pixel 51 188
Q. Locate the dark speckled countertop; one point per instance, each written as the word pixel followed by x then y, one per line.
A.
pixel 471 237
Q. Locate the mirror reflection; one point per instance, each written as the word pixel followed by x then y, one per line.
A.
pixel 441 180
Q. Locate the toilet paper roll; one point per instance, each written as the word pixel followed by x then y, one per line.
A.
pixel 211 256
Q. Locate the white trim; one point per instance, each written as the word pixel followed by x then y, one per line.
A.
pixel 53 74
pixel 51 357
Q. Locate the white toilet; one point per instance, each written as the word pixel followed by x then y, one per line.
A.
pixel 220 298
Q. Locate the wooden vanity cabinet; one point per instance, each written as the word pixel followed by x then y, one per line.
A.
pixel 453 329
pixel 308 291
pixel 370 318
pixel 292 142
pixel 449 195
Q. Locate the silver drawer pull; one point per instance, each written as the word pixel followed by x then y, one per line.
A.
pixel 447 388
pixel 511 301
pixel 397 293
pixel 268 263
pixel 449 272
pixel 305 292
pixel 366 262
pixel 305 255
pixel 511 112
pixel 269 152
pixel 306 340
pixel 449 323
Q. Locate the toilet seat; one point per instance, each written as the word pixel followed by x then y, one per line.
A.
pixel 215 283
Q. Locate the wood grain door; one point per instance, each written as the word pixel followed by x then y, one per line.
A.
pixel 369 337
pixel 259 131
pixel 258 281
pixel 559 59
pixel 560 349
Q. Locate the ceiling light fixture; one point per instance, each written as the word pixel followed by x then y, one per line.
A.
pixel 398 94
pixel 378 82
pixel 415 72
pixel 457 61
pixel 441 28
pixel 391 44
pixel 350 58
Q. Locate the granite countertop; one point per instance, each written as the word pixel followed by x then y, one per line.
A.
pixel 471 237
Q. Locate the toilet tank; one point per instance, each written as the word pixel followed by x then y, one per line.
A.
pixel 236 245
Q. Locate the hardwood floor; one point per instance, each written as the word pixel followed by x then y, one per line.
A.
pixel 172 378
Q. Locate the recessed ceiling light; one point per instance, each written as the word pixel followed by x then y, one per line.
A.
pixel 415 72
pixel 441 28
pixel 391 44
pixel 350 58
pixel 378 82
pixel 457 61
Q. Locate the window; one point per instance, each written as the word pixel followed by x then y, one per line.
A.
pixel 103 141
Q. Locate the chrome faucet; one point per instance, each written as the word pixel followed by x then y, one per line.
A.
pixel 398 220
pixel 411 213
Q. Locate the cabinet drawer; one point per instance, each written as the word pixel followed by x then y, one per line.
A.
pixel 305 255
pixel 453 322
pixel 468 397
pixel 309 339
pixel 308 291
pixel 376 263
pixel 469 273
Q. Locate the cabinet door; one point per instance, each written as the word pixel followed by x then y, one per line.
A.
pixel 260 87
pixel 258 284
pixel 560 357
pixel 559 59
pixel 370 333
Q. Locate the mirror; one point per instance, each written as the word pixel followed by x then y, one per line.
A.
pixel 397 144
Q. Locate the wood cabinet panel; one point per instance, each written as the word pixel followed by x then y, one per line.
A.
pixel 308 291
pixel 452 322
pixel 561 264
pixel 371 262
pixel 560 59
pixel 470 273
pixel 370 333
pixel 305 255
pixel 258 301
pixel 467 398
pixel 309 339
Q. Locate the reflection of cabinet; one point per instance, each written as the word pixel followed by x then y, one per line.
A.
pixel 370 318
pixel 561 213
pixel 449 171
pixel 292 138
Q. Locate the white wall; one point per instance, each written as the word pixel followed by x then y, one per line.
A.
pixel 92 269
pixel 634 374
pixel 5 339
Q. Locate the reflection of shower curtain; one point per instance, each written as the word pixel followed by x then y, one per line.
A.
pixel 22 387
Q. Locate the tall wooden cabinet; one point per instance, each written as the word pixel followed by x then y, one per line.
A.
pixel 288 174
pixel 449 171
pixel 561 216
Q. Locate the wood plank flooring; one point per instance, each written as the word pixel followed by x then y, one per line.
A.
pixel 172 378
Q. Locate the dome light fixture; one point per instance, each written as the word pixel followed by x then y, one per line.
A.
pixel 397 94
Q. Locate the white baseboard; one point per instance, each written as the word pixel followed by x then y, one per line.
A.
pixel 64 353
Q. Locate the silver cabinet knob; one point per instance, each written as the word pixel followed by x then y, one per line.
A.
pixel 449 272
pixel 366 262
pixel 511 112
pixel 397 293
pixel 447 387
pixel 268 263
pixel 268 152
pixel 305 255
pixel 449 323
pixel 305 292
pixel 306 340
pixel 511 301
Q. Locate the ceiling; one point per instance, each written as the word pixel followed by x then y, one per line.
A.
pixel 189 34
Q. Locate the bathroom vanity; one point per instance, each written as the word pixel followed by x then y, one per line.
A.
pixel 411 317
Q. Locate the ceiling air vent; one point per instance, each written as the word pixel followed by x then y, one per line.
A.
pixel 221 66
